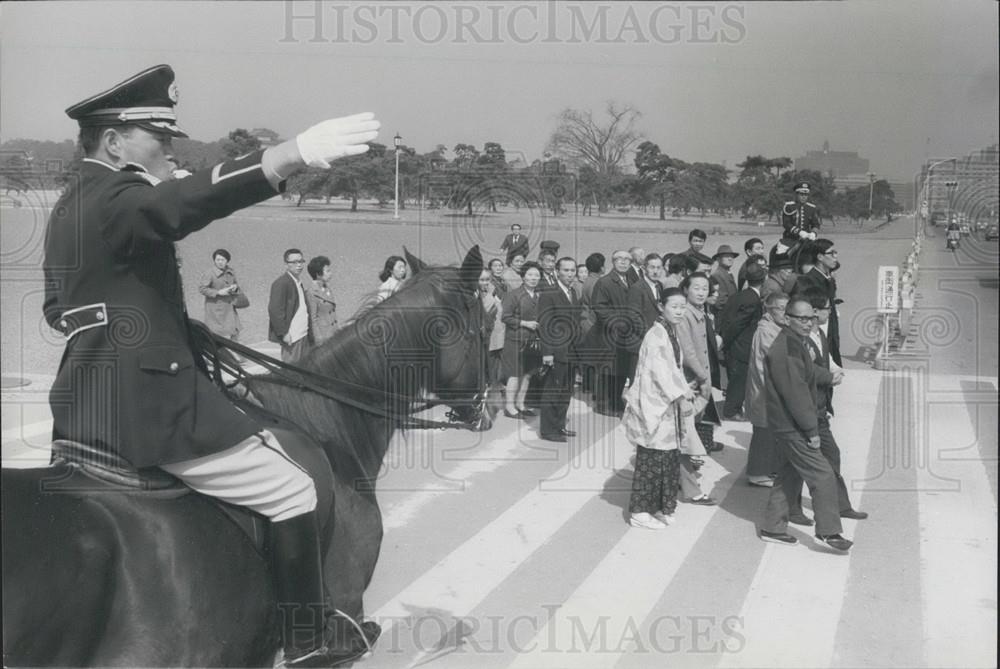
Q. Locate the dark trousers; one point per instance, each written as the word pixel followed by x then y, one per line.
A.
pixel 831 451
pixel 736 372
pixel 796 457
pixel 556 390
pixel 608 394
pixel 655 481
pixel 296 351
pixel 761 460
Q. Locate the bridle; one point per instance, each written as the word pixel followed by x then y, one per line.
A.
pixel 293 376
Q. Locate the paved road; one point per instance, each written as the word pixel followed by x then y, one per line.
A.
pixel 504 551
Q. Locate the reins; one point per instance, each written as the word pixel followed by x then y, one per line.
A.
pixel 289 375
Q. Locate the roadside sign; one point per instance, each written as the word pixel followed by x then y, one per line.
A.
pixel 887 300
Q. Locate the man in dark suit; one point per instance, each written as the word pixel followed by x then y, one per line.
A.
pixel 608 338
pixel 515 243
pixel 287 311
pixel 738 324
pixel 559 313
pixel 547 261
pixel 832 375
pixel 130 382
pixel 791 379
pixel 634 273
pixel 820 277
pixel 642 305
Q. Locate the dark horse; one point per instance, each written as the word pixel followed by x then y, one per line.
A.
pixel 144 579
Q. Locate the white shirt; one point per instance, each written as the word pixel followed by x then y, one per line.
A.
pixel 299 326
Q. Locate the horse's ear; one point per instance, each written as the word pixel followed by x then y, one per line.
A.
pixel 415 263
pixel 472 267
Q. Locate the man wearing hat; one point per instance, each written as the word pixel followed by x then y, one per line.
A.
pixel 781 276
pixel 799 218
pixel 724 259
pixel 112 287
pixel 738 324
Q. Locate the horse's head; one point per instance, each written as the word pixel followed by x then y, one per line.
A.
pixel 453 330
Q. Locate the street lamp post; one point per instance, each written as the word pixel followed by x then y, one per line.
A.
pixel 871 192
pixel 928 187
pixel 396 141
pixel 951 185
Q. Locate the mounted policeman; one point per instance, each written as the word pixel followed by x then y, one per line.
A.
pixel 800 220
pixel 130 382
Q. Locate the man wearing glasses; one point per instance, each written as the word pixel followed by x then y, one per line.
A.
pixel 820 278
pixel 791 379
pixel 288 314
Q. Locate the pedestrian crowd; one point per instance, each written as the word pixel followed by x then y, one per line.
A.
pixel 656 337
pixel 651 340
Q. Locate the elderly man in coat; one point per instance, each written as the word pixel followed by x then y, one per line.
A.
pixel 761 459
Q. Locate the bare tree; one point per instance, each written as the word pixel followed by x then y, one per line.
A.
pixel 580 140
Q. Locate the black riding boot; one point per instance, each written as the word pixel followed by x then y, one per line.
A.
pixel 298 584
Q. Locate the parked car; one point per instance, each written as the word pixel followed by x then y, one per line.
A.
pixel 993 233
pixel 939 218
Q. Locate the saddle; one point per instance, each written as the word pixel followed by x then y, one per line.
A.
pixel 85 469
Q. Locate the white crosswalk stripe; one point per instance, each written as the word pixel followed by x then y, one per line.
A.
pixel 613 608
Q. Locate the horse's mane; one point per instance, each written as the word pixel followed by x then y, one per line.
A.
pixel 384 354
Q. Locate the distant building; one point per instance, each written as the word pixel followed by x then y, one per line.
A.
pixel 266 137
pixel 833 163
pixel 966 184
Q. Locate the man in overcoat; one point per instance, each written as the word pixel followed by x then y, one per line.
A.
pixel 129 381
pixel 608 338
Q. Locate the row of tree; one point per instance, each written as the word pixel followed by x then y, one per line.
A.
pixel 585 166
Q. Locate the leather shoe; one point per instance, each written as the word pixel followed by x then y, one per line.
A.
pixel 567 433
pixel 704 500
pixel 516 414
pixel 800 519
pixel 714 447
pixel 527 412
pixel 778 538
pixel 561 438
pixel 834 541
pixel 853 515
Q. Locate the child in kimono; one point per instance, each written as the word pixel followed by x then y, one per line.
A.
pixel 657 416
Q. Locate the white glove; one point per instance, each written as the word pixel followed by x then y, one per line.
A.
pixel 337 138
pixel 812 236
pixel 803 234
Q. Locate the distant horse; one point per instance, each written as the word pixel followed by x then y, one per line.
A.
pixel 142 579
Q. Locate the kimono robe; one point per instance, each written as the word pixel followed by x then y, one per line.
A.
pixel 656 414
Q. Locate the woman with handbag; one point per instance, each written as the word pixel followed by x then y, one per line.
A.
pixel 322 307
pixel 522 354
pixel 222 297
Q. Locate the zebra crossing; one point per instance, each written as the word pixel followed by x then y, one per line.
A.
pixel 504 551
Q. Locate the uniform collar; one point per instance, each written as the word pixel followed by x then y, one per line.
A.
pixel 95 161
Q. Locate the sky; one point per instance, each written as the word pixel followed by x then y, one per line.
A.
pixel 898 81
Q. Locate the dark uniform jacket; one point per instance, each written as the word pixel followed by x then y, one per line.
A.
pixel 796 217
pixel 559 324
pixel 827 285
pixel 128 381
